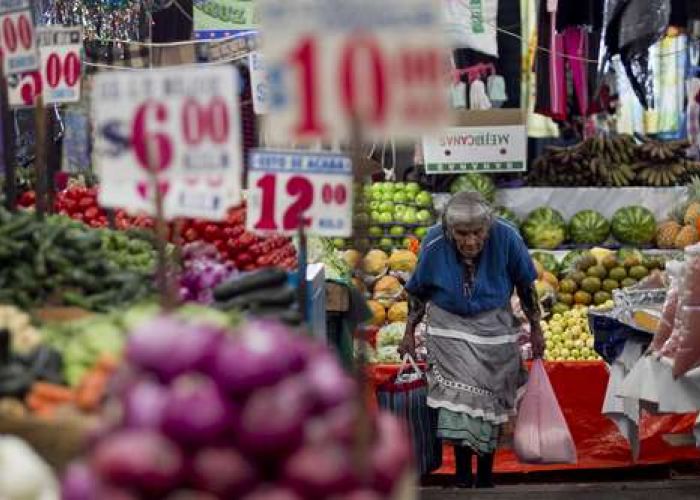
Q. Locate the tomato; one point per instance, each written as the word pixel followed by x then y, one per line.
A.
pixel 245 240
pixel 87 202
pixel 244 258
pixel 27 199
pixel 190 234
pixel 91 213
pixel 77 216
pixel 69 205
pixel 220 246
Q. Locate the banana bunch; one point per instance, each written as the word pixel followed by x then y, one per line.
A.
pixel 617 149
pixel 663 163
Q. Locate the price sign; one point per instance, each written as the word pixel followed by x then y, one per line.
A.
pixel 23 88
pixel 59 49
pixel 258 83
pixel 382 62
pixel 287 189
pixel 17 38
pixel 182 125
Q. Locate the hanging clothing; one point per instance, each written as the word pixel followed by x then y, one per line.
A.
pixel 693 112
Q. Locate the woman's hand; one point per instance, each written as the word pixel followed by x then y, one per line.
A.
pixel 536 340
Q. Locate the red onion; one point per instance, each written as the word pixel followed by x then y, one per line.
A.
pixel 191 495
pixel 320 471
pixel 272 421
pixel 139 459
pixel 273 493
pixel 337 425
pixel 79 483
pixel 391 454
pixel 169 347
pixel 360 495
pixel 224 472
pixel 196 412
pixel 330 385
pixel 143 404
pixel 114 493
pixel 261 355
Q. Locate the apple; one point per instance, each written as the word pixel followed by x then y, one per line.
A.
pixel 400 197
pixel 385 218
pixel 376 231
pixel 339 243
pixel 406 242
pixel 397 231
pixel 387 196
pixel 374 216
pixel 424 199
pixel 410 216
pixel 374 204
pixel 424 216
pixel 420 232
pixel 412 187
pixel 399 186
pixel 399 209
pixel 386 206
pixel 386 243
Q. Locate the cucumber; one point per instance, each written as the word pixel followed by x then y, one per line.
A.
pixel 263 278
pixel 278 296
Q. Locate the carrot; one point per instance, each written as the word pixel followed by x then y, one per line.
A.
pixel 35 402
pixel 107 363
pixel 91 390
pixel 52 392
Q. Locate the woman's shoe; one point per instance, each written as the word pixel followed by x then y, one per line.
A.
pixel 484 471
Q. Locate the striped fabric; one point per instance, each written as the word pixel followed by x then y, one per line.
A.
pixel 408 401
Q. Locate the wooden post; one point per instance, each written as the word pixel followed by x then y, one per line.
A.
pixel 8 146
pixel 167 298
pixel 42 183
pixel 53 158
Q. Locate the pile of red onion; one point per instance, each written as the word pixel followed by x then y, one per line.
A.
pixel 260 413
pixel 203 269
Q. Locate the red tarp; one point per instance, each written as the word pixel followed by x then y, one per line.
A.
pixel 580 388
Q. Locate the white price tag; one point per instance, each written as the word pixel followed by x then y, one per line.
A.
pixel 286 188
pixel 59 49
pixel 382 62
pixel 185 125
pixel 258 83
pixel 22 89
pixel 17 37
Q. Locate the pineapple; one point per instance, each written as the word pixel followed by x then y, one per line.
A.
pixel 687 236
pixel 667 233
pixel 692 207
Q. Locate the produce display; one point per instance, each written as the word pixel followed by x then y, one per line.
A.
pixel 59 261
pixel 614 161
pixel 202 269
pixel 396 212
pixel 590 277
pixel 261 412
pixel 480 183
pixel 682 229
pixel 568 337
pixel 245 250
pixel 545 228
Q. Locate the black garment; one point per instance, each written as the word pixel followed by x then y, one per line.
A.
pixel 174 24
pixel 463 466
pixel 579 13
pixel 484 471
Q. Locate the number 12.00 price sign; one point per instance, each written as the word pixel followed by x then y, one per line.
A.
pixel 287 189
pixel 330 62
pixel 182 126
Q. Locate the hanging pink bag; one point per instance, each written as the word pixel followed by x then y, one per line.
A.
pixel 541 433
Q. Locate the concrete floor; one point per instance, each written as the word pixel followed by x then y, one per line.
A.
pixel 679 489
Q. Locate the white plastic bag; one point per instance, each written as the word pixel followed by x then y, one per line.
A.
pixel 471 24
pixel 541 433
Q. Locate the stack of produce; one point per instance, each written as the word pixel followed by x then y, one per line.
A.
pixel 545 228
pixel 395 211
pixel 614 161
pixel 258 413
pixel 682 229
pixel 246 250
pixel 586 278
pixel 568 337
pixel 263 293
pixel 59 261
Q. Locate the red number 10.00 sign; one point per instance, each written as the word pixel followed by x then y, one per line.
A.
pixel 331 62
pixel 290 189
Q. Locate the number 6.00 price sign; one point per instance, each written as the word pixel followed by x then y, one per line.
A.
pixel 182 126
pixel 329 62
pixel 287 188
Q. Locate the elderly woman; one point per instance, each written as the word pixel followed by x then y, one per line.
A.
pixel 468 268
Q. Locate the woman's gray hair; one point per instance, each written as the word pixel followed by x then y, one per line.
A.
pixel 467 208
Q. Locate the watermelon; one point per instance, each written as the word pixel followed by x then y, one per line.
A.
pixel 507 215
pixel 634 225
pixel 548 261
pixel 544 228
pixel 588 227
pixel 475 182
